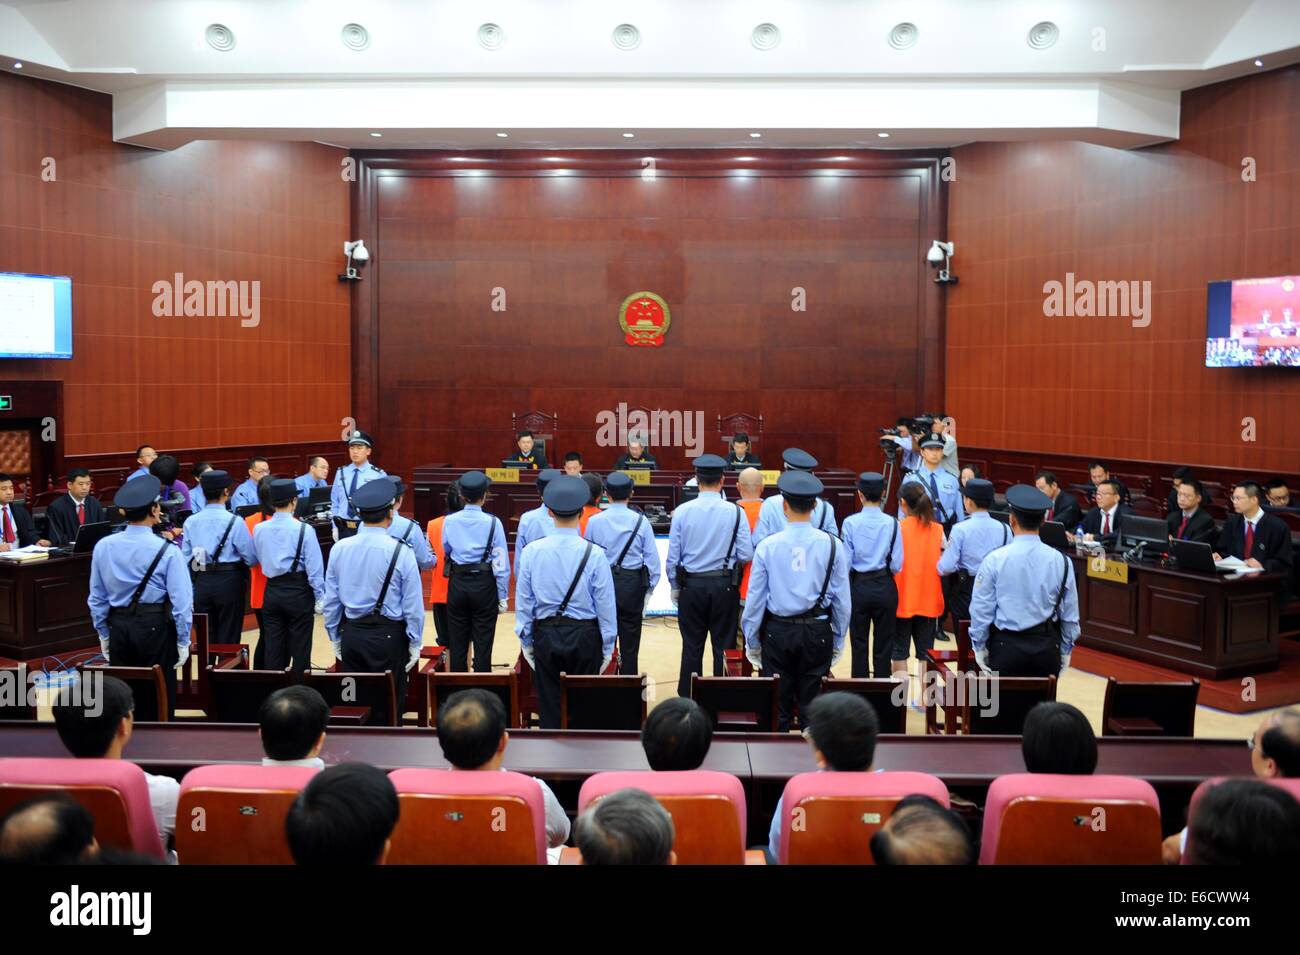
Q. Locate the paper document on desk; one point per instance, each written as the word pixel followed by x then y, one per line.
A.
pixel 1237 566
pixel 30 552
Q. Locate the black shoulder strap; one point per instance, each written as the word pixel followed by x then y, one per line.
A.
pixel 628 546
pixel 893 536
pixel 297 554
pixel 388 578
pixel 407 532
pixel 1065 572
pixel 573 584
pixel 826 581
pixel 492 536
pixel 222 543
pixel 726 561
pixel 139 591
pixel 1006 534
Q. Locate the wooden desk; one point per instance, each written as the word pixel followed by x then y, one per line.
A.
pixel 43 607
pixel 1200 624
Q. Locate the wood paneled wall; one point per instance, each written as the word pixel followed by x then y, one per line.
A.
pixel 119 218
pixel 566 237
pixel 1177 215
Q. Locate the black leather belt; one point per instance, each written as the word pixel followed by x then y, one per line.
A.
pixel 806 618
pixel 691 575
pixel 870 574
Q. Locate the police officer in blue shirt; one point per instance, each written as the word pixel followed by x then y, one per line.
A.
pixel 405 530
pixel 564 600
pixel 537 522
pixel 1024 611
pixel 707 548
pixel 797 608
pixel 220 551
pixel 969 543
pixel 246 494
pixel 374 605
pixel 629 543
pixel 771 515
pixel 141 602
pixel 197 500
pixel 290 556
pixel 875 552
pixel 350 477
pixel 318 470
pixel 944 486
pixel 474 545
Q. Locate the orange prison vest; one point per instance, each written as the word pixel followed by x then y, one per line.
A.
pixel 920 593
pixel 257 580
pixel 751 509
pixel 437 582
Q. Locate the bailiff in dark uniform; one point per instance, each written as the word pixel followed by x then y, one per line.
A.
pixel 875 549
pixel 290 556
pixel 477 561
pixel 219 549
pixel 969 543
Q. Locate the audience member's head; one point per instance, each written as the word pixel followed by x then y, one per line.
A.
pixel 1244 822
pixel 49 830
pixel 97 729
pixel 842 728
pixel 627 827
pixel 1190 493
pixel 165 468
pixel 292 723
pixel 969 473
pixel 921 831
pixel 472 729
pixel 1279 495
pixel 344 816
pixel 1059 739
pixel 1098 472
pixel 676 735
pixel 1275 747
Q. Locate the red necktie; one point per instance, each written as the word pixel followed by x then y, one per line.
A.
pixel 1182 527
pixel 1106 527
pixel 9 528
pixel 81 513
pixel 1250 540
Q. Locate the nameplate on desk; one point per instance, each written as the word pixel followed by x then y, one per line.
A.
pixel 770 477
pixel 638 476
pixel 1101 568
pixel 503 475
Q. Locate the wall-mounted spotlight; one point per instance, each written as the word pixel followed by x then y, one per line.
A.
pixel 939 256
pixel 355 251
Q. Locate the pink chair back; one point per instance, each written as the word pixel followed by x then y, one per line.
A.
pixel 234 815
pixel 452 817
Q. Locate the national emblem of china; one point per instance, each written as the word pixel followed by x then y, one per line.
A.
pixel 644 318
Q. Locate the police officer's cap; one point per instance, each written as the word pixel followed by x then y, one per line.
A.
pixel 283 490
pixel 932 441
pixel 545 477
pixel 797 459
pixel 566 496
pixel 214 482
pixel 799 485
pixel 474 484
pixel 1027 500
pixel 360 437
pixel 138 492
pixel 374 496
pixel 619 485
pixel 709 466
pixel 398 487
pixel 980 491
pixel 871 482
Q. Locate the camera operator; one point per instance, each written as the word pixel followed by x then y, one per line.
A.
pixel 904 436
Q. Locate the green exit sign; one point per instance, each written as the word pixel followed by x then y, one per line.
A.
pixel 6 403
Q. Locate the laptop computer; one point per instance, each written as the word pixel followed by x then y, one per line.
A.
pixel 1052 533
pixel 1194 555
pixel 88 535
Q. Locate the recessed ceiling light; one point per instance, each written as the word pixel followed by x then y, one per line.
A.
pixel 18 66
pixel 1259 62
pixel 503 135
pixel 755 135
pixel 883 135
pixel 629 135
pixel 377 135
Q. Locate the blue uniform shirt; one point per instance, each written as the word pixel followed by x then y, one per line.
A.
pixel 546 569
pixel 948 504
pixel 610 529
pixel 203 532
pixel 701 534
pixel 117 566
pixel 533 525
pixel 245 495
pixel 771 518
pixel 1016 589
pixel 356 575
pixel 404 529
pixel 787 576
pixel 275 543
pixel 197 500
pixel 971 541
pixel 465 537
pixel 138 472
pixel 346 481
pixel 866 536
pixel 305 482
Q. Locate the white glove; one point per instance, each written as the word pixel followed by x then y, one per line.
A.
pixel 528 655
pixel 675 593
pixel 103 647
pixel 319 608
pixel 645 606
pixel 414 657
pixel 1065 663
pixel 982 660
pixel 837 655
pixel 755 656
pixel 182 655
pixel 604 663
pixel 503 606
pixel 337 646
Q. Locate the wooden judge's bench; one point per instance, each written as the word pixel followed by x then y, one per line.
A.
pixel 43 607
